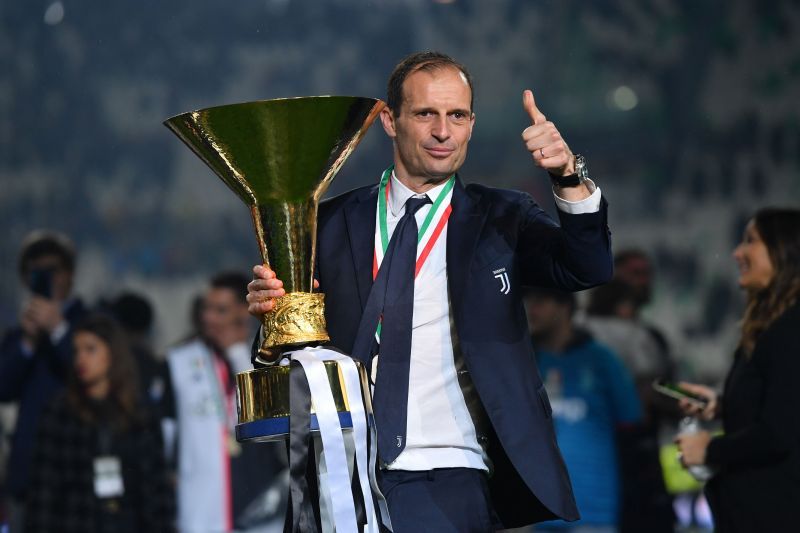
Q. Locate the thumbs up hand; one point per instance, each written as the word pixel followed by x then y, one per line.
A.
pixel 544 142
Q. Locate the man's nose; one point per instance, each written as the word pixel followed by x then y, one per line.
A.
pixel 441 129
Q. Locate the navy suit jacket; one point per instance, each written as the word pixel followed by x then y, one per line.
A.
pixel 489 229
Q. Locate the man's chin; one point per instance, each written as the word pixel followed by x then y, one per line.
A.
pixel 440 172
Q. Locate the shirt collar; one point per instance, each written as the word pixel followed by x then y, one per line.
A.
pixel 399 194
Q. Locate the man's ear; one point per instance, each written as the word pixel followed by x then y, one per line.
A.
pixel 387 120
pixel 471 126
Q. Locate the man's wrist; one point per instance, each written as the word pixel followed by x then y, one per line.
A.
pixel 569 168
pixel 566 181
pixel 574 173
pixel 578 200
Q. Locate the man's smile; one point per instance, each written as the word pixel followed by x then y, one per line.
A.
pixel 440 152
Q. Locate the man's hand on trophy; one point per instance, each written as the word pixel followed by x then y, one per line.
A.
pixel 544 142
pixel 262 291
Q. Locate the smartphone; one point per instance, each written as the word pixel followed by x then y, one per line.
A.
pixel 673 391
pixel 41 282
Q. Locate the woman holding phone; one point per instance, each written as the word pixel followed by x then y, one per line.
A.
pixel 756 486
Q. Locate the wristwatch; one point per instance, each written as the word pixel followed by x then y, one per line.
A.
pixel 573 180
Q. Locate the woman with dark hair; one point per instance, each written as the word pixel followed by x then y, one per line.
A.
pixel 98 461
pixel 757 460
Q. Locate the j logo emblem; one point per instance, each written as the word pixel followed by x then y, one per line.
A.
pixel 502 275
pixel 399 441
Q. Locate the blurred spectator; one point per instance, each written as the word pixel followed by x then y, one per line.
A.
pixel 612 318
pixel 98 465
pixel 195 320
pixel 592 397
pixel 634 267
pixel 757 458
pixel 135 314
pixel 218 478
pixel 36 354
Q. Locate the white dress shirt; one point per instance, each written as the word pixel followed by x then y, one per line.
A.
pixel 440 431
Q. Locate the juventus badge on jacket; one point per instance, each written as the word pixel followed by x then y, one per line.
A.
pixel 502 275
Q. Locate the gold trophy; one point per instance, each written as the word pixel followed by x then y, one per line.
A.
pixel 279 157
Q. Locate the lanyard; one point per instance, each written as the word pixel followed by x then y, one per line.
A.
pixel 382 235
pixel 382 239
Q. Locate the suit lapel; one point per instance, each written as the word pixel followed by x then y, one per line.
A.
pixel 360 217
pixel 463 231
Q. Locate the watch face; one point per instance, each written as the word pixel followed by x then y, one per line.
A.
pixel 580 167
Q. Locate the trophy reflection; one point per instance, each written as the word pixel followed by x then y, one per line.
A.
pixel 279 157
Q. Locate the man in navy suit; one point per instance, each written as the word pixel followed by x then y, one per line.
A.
pixel 476 451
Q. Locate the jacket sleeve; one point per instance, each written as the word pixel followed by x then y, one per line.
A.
pixel 57 355
pixel 776 431
pixel 573 256
pixel 15 366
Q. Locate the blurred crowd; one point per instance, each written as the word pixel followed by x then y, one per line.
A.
pixel 649 453
pixel 98 432
pixel 598 362
pixel 111 436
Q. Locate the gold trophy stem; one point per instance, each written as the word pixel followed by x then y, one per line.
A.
pixel 299 316
pixel 262 245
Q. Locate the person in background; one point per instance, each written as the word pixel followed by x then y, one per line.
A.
pixel 36 354
pixel 135 314
pixel 98 463
pixel 195 321
pixel 634 267
pixel 218 477
pixel 757 459
pixel 593 399
pixel 612 317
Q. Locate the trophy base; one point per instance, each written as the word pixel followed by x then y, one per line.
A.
pixel 298 319
pixel 263 402
pixel 277 429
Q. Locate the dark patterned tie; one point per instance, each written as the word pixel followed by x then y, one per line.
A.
pixel 391 383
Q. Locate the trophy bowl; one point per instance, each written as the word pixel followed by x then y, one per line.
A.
pixel 279 157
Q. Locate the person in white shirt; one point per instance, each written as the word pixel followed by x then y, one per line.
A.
pixel 210 499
